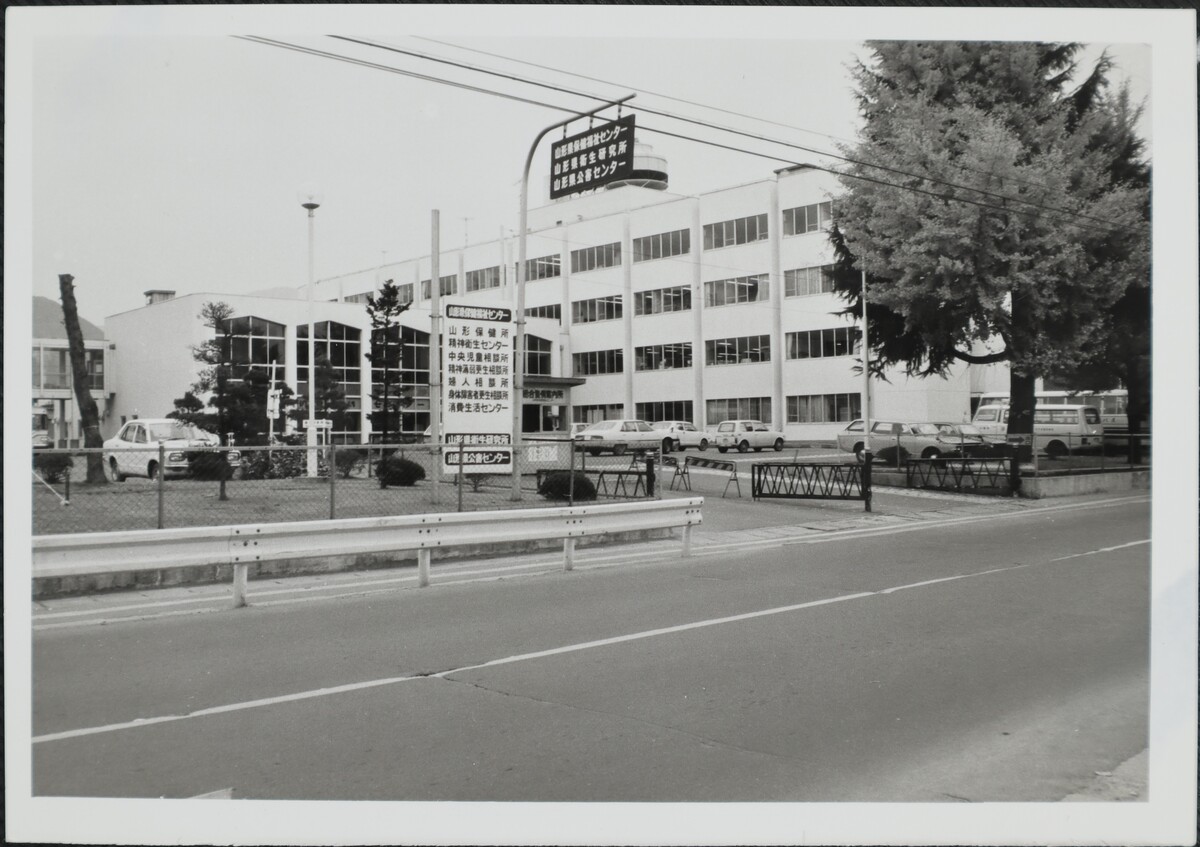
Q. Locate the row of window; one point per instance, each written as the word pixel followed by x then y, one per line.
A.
pixel 446 285
pixel 662 356
pixel 598 309
pixel 483 278
pixel 677 298
pixel 742 289
pixel 52 369
pixel 804 408
pixel 662 245
pixel 822 343
pixel 591 258
pixel 553 311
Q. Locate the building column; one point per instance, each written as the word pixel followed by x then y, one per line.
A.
pixel 290 347
pixel 627 313
pixel 774 240
pixel 698 406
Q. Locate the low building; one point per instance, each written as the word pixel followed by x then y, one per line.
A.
pixel 56 418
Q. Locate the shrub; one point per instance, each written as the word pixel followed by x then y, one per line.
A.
pixel 279 464
pixel 396 470
pixel 209 465
pixel 52 467
pixel 348 460
pixel 556 486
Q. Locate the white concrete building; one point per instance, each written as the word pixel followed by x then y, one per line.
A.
pixel 639 303
pixel 56 419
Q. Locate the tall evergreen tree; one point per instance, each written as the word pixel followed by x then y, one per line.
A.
pixel 387 396
pixel 995 229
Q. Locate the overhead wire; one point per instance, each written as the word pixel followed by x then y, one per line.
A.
pixel 732 130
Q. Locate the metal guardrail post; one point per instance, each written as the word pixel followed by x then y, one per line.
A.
pixel 568 553
pixel 241 574
pixel 866 479
pixel 423 557
pixel 162 463
pixel 571 480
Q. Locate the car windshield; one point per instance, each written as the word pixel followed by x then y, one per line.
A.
pixel 604 425
pixel 170 431
pixel 662 424
pixel 967 429
pixel 925 429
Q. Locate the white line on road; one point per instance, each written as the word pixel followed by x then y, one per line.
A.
pixel 1102 550
pixel 521 657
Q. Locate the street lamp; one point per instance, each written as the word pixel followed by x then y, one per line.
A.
pixel 310 199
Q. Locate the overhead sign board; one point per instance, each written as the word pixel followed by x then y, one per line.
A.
pixel 592 159
pixel 477 392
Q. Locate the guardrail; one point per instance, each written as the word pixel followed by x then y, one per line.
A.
pixel 247 544
pixel 812 481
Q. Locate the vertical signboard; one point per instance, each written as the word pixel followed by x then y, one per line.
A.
pixel 477 388
pixel 592 159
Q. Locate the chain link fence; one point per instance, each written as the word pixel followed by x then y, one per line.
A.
pixel 160 488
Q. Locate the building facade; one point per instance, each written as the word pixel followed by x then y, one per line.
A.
pixel 56 419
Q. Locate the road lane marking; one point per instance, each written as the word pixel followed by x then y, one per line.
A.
pixel 1102 550
pixel 521 657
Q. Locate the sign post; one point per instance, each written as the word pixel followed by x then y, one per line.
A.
pixel 478 389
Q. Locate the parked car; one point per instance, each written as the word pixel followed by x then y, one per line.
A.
pixel 680 435
pixel 744 435
pixel 928 440
pixel 620 434
pixel 966 441
pixel 577 428
pixel 133 451
pixel 1058 429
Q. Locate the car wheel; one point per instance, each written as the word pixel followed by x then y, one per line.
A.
pixel 619 450
pixel 667 445
pixel 703 443
pixel 778 444
pixel 1056 449
pixel 860 452
pixel 152 470
pixel 722 449
pixel 593 452
pixel 117 476
pixel 743 446
pixel 931 453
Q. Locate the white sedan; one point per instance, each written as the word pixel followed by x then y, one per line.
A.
pixel 746 435
pixel 618 436
pixel 134 450
pixel 680 435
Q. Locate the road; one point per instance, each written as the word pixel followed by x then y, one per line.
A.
pixel 983 658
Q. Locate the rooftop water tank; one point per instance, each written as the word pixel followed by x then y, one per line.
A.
pixel 649 169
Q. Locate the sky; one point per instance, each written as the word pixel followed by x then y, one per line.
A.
pixel 164 159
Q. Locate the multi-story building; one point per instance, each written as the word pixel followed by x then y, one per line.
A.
pixel 638 303
pixel 56 419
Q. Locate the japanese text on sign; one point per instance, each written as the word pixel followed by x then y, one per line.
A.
pixel 593 158
pixel 477 395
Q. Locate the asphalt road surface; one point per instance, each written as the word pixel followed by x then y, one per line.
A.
pixel 1003 658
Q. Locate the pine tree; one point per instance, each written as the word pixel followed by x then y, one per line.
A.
pixel 998 231
pixel 387 397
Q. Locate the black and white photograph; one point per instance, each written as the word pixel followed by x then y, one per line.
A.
pixel 601 424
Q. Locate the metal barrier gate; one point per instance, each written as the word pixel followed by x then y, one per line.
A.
pixel 985 476
pixel 812 481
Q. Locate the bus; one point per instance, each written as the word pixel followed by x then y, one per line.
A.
pixel 1111 404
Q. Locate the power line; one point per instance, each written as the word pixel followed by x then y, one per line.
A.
pixel 1111 226
pixel 743 133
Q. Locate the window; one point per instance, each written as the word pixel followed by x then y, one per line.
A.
pixel 483 278
pixel 254 343
pixel 733 351
pixel 804 219
pixel 37 369
pixel 599 362
pixel 738 408
pixel 824 408
pixel 94 361
pixel 662 245
pixel 660 356
pixel 545 267
pixel 801 282
pixel 594 414
pixel 742 289
pixel 600 309
pixel 553 311
pixel 341 345
pixel 739 231
pixel 404 294
pixel 821 343
pixel 590 258
pixel 446 285
pixel 666 410
pixel 56 372
pixel 405 352
pixel 675 299
pixel 538 355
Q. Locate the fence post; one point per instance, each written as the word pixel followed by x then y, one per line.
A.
pixel 67 483
pixel 866 479
pixel 332 476
pixel 1014 469
pixel 687 541
pixel 461 441
pixel 649 476
pixel 571 480
pixel 162 461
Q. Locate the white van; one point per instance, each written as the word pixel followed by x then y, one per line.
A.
pixel 1057 429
